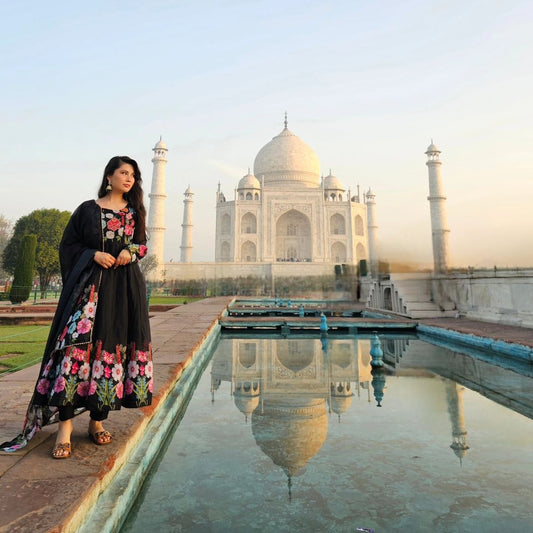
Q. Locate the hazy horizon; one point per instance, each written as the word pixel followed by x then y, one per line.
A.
pixel 366 85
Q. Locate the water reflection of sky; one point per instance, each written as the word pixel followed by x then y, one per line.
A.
pixel 286 435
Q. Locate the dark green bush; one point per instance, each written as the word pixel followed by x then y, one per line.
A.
pixel 23 277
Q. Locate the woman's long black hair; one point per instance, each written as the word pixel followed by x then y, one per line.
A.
pixel 135 195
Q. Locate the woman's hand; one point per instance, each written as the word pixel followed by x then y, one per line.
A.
pixel 104 259
pixel 124 257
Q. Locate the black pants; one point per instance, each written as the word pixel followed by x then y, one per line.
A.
pixel 66 412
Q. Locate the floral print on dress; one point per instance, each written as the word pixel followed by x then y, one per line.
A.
pixel 111 378
pixel 103 312
pixel 137 251
pixel 82 370
pixel 139 383
pixel 78 329
pixel 120 226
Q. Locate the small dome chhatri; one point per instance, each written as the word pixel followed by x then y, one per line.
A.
pixel 333 183
pixel 287 160
pixel 249 182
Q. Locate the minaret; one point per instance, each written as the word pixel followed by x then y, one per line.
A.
pixel 156 217
pixel 437 205
pixel 372 232
pixel 186 231
pixel 454 399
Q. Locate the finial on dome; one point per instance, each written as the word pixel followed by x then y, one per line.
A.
pixel 285 122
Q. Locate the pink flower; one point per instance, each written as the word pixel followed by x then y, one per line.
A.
pixel 60 384
pixel 65 365
pixel 77 354
pixel 84 325
pixel 108 357
pixel 113 224
pixel 120 389
pixel 129 216
pixel 117 372
pixel 90 310
pixel 149 369
pixel 107 372
pixel 133 369
pixel 43 386
pixel 83 388
pixel 141 370
pixel 75 367
pixel 129 386
pixel 98 369
pixel 142 356
pixel 84 371
pixel 151 385
pixel 142 250
pixel 92 387
pixel 128 230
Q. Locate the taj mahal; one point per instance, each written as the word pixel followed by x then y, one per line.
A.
pixel 285 218
pixel 286 212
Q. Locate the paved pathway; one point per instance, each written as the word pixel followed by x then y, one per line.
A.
pixel 42 494
pixel 500 332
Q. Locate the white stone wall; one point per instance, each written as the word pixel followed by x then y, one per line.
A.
pixel 501 296
pixel 319 244
pixel 225 209
pixel 212 270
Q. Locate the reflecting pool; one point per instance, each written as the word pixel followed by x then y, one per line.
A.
pixel 301 434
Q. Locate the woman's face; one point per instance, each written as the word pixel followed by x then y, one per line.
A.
pixel 123 179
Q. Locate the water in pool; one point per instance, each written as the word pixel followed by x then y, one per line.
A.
pixel 300 434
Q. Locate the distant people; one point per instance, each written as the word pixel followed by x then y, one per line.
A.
pixel 98 356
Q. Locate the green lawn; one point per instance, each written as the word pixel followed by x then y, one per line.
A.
pixel 21 346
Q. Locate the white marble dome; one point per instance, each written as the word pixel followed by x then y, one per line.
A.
pixel 287 162
pixel 333 183
pixel 249 182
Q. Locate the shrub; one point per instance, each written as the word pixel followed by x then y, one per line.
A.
pixel 22 279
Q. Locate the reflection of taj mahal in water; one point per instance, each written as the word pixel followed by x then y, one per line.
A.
pixel 289 391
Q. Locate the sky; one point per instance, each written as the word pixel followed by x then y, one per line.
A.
pixel 366 84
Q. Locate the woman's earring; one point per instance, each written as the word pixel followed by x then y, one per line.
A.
pixel 109 188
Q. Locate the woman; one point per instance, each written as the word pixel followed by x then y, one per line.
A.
pixel 98 356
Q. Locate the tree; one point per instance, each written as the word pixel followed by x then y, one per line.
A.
pixel 48 225
pixel 5 234
pixel 22 281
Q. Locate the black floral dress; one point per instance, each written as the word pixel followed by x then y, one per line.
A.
pixel 98 355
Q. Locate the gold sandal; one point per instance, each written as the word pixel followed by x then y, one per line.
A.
pixel 100 438
pixel 62 450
